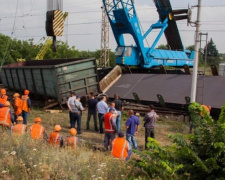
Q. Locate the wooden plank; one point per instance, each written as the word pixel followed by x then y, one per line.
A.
pixel 53 111
pixel 50 105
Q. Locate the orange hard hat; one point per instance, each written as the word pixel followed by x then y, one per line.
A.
pixel 19 118
pixel 73 131
pixel 57 128
pixel 37 119
pixel 16 95
pixel 3 91
pixel 6 104
pixel 26 92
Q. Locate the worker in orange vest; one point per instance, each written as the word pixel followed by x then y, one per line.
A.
pixel 73 141
pixel 17 105
pixel 19 128
pixel 37 131
pixel 121 148
pixel 26 104
pixel 6 117
pixel 3 97
pixel 55 138
pixel 110 127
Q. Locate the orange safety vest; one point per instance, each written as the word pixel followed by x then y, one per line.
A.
pixel 72 141
pixel 3 99
pixel 120 148
pixel 108 123
pixel 5 118
pixel 37 131
pixel 54 138
pixel 19 129
pixel 17 106
pixel 24 99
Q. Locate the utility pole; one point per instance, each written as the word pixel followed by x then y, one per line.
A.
pixel 197 46
pixel 104 54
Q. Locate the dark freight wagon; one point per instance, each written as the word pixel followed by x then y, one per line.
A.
pixel 52 78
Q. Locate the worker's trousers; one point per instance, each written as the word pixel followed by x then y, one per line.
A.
pixel 108 140
pixel 100 118
pixel 90 113
pixel 149 132
pixel 118 120
pixel 75 117
pixel 131 138
pixel 25 116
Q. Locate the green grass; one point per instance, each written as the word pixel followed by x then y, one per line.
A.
pixel 23 158
pixel 38 160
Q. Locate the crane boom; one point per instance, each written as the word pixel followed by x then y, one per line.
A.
pixel 124 20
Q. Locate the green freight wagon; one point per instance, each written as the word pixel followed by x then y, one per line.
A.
pixel 52 78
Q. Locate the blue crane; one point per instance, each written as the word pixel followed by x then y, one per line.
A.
pixel 123 20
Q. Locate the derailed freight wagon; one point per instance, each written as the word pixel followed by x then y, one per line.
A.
pixel 52 78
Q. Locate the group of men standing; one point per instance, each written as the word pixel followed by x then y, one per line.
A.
pixel 109 122
pixel 109 115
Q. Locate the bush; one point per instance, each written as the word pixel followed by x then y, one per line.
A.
pixel 196 156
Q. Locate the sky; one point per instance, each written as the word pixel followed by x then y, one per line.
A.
pixel 25 19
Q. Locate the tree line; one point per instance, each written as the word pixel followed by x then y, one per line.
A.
pixel 13 49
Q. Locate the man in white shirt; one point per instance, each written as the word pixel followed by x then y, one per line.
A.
pixel 76 110
pixel 71 102
pixel 102 108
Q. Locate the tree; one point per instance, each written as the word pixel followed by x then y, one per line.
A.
pixel 191 48
pixel 212 53
pixel 162 46
pixel 112 60
pixel 17 49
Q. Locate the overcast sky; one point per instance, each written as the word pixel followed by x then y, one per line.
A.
pixel 83 25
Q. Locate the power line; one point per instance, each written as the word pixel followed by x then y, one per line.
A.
pixel 99 11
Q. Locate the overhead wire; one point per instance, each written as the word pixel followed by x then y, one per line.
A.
pixel 9 41
pixel 88 11
pixel 95 11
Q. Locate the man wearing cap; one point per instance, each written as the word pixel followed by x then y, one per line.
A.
pixel 3 97
pixel 37 131
pixel 55 138
pixel 132 126
pixel 26 104
pixel 70 102
pixel 19 128
pixel 102 108
pixel 110 128
pixel 121 148
pixel 6 117
pixel 73 141
pixel 76 110
pixel 112 105
pixel 17 105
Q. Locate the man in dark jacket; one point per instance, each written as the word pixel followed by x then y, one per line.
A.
pixel 92 102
